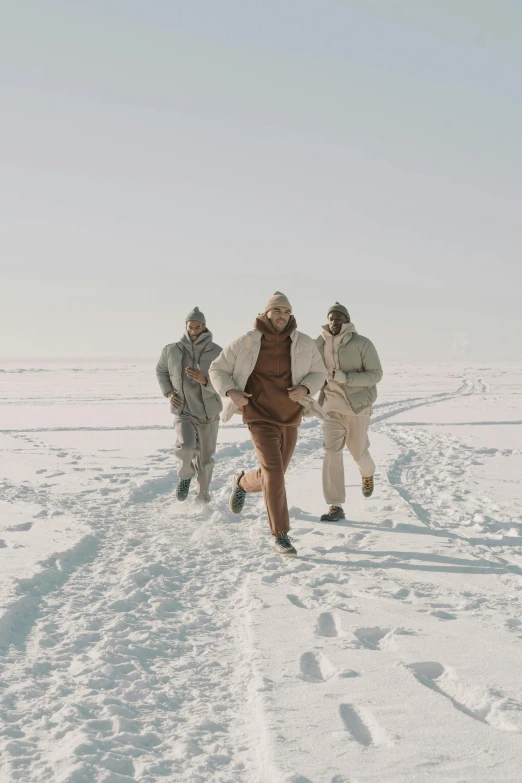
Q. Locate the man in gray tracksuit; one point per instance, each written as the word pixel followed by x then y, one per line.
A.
pixel 182 373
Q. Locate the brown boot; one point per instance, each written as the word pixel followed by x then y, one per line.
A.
pixel 335 513
pixel 367 486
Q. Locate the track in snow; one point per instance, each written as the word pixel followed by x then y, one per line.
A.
pixel 128 658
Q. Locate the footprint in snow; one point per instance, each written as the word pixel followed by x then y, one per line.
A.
pixel 363 727
pixel 18 528
pixel 483 706
pixel 296 601
pixel 442 615
pixel 349 674
pixel 355 725
pixel 372 638
pixel 315 668
pixel 326 625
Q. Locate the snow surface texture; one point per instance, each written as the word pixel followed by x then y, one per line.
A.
pixel 146 640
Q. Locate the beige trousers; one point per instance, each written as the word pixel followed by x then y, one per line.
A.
pixel 340 430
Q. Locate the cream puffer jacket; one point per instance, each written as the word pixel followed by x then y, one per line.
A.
pixel 359 369
pixel 236 362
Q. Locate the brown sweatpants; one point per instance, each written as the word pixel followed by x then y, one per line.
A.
pixel 274 445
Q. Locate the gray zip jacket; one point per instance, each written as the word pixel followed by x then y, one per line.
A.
pixel 170 374
pixel 359 370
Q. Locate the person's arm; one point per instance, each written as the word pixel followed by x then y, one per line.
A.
pixel 221 374
pixel 371 372
pixel 162 374
pixel 208 389
pixel 317 375
pixel 222 369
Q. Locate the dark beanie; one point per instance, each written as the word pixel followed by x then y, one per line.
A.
pixel 196 315
pixel 339 308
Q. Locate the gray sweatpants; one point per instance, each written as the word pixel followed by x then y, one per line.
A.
pixel 195 449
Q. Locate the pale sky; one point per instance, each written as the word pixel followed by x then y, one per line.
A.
pixel 159 155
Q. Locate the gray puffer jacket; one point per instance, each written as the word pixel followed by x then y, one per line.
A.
pixel 169 372
pixel 360 370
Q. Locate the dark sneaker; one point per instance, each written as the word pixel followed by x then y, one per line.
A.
pixel 335 513
pixel 203 497
pixel 236 500
pixel 283 546
pixel 182 489
pixel 367 486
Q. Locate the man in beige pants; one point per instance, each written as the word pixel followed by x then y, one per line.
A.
pixel 354 370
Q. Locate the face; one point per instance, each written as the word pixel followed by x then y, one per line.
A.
pixel 279 317
pixel 336 321
pixel 194 329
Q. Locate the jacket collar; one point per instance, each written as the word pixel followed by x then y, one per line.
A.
pixel 203 341
pixel 256 335
pixel 263 325
pixel 347 332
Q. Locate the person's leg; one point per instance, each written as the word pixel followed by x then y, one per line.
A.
pixel 274 446
pixel 334 431
pixel 358 443
pixel 186 448
pixel 207 439
pixel 251 481
pixel 289 440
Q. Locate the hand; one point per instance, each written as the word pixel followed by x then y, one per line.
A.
pixel 196 375
pixel 297 393
pixel 239 398
pixel 174 400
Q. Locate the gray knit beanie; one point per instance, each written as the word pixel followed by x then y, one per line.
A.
pixel 196 315
pixel 339 308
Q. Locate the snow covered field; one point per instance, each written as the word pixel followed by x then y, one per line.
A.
pixel 145 640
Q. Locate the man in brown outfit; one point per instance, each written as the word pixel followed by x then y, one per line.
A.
pixel 269 376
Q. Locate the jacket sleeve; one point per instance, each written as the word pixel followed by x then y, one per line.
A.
pixel 222 369
pixel 317 374
pixel 371 372
pixel 209 390
pixel 162 373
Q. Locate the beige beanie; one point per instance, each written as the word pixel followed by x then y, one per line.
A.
pixel 277 300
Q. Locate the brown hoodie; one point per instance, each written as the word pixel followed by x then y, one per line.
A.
pixel 272 377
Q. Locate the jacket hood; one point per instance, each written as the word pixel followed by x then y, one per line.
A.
pixel 203 339
pixel 348 328
pixel 263 324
